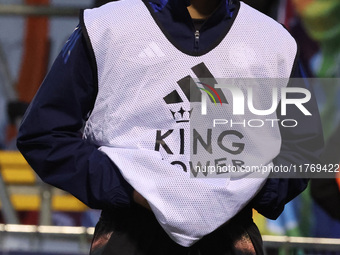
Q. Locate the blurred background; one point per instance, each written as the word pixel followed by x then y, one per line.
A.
pixel 36 218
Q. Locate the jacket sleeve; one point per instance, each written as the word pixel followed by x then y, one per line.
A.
pixel 301 145
pixel 50 135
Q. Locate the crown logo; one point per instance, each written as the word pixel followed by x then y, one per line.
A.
pixel 181 115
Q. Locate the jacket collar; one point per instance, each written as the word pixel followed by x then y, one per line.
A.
pixel 179 8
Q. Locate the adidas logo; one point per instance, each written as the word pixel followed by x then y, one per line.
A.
pixel 193 93
pixel 151 51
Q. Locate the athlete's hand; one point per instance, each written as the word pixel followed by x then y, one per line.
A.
pixel 139 199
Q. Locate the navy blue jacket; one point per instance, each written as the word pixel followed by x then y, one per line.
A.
pixel 50 135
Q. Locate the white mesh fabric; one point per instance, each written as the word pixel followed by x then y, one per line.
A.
pixel 138 67
pixel 187 208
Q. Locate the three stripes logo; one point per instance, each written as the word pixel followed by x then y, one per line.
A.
pixel 151 51
pixel 194 93
pixel 71 42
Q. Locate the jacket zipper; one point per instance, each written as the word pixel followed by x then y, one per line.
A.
pixel 197 40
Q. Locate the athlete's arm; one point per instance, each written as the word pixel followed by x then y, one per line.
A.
pixel 50 135
pixel 301 145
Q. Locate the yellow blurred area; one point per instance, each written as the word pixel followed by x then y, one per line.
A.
pixel 68 203
pixel 301 5
pixel 23 186
pixel 320 17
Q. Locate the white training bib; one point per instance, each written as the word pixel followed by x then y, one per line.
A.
pixel 145 120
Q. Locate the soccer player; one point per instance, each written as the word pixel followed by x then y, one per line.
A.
pixel 110 124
